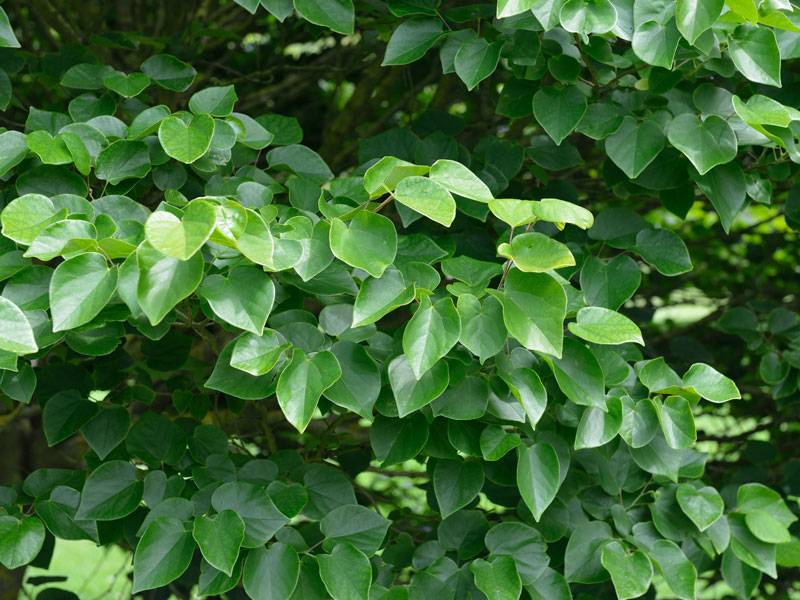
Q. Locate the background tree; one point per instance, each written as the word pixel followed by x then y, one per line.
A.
pixel 405 299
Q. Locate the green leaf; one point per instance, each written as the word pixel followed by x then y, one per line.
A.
pixel 219 539
pixel 302 161
pixel 357 525
pixel 271 573
pixel 107 429
pixel 630 573
pixel 79 289
pixel 754 496
pixel 181 238
pixel 156 440
pixel 604 326
pixel 337 15
pixel 558 111
pixel 50 150
pixel 368 241
pixel 58 513
pixel 186 142
pixel 664 250
pixel 476 60
pixel 379 296
pixel 754 51
pixel 456 484
pixel 596 427
pixel 254 506
pixel 358 387
pixel 536 253
pixel 742 578
pixel 162 554
pixel 496 443
pixel 550 586
pixel 20 539
pixel 749 549
pixel 633 147
pixel 696 16
pixel 16 333
pixel 258 244
pixel 579 375
pixel 7 39
pixel 538 477
pixel 290 499
pixel 122 160
pixel 302 382
pixel 428 198
pixel 13 147
pixel 164 281
pixel 244 298
pixel 656 43
pixel 397 440
pixel 677 570
pixel 582 560
pixel 430 334
pixel 639 422
pixel 584 18
pixel 534 306
pixel 710 384
pixel 410 393
pixel 677 422
pixel 26 217
pixel 411 40
pixel 482 329
pixel 64 414
pixel 766 527
pixel 346 573
pixel 126 86
pixel 509 8
pixel 706 143
pixel 526 386
pixel 384 175
pixel 169 72
pixel 460 180
pixel 725 186
pixel 112 491
pixel 257 354
pixel 498 579
pixel 214 101
pixel 514 212
pixel 609 284
pixel 557 211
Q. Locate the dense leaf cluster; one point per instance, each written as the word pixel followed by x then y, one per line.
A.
pixel 420 361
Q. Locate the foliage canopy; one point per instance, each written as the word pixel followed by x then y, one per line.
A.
pixel 378 301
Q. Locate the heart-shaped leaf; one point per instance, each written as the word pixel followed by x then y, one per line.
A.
pixel 538 477
pixel 630 573
pixel 609 284
pixel 558 111
pixel 368 241
pixel 703 506
pixel 633 146
pixel 257 354
pixel 181 238
pixel 126 86
pixel 186 142
pixel 655 43
pixel 706 143
pixel 536 253
pixel 219 539
pixel 244 298
pixel 302 382
pixel 289 498
pixel 604 326
pixel 50 150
